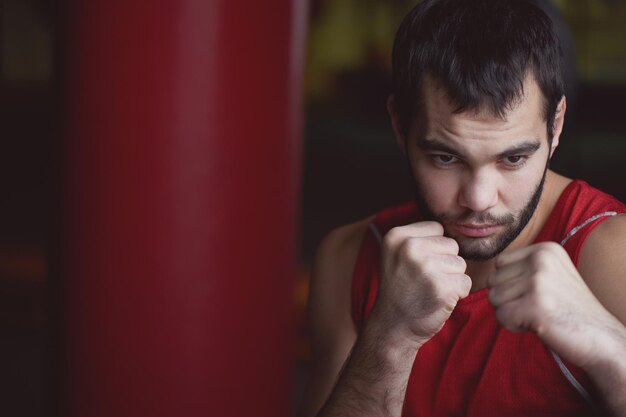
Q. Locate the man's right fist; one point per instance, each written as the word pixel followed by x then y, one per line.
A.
pixel 422 279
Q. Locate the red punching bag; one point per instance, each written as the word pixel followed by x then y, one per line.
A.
pixel 181 183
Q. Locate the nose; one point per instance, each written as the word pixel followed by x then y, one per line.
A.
pixel 479 191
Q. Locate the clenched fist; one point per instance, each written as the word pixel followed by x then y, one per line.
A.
pixel 422 279
pixel 538 288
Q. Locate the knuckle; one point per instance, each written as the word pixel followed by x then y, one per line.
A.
pixel 455 287
pixel 540 259
pixel 408 248
pixel 450 245
pixel 455 263
pixel 432 226
pixel 445 244
pixel 504 316
pixel 493 296
pixel 429 266
pixel 552 247
pixel 392 236
pixel 466 283
pixel 544 251
pixel 461 263
pixel 509 318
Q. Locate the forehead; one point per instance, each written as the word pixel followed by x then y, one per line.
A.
pixel 523 121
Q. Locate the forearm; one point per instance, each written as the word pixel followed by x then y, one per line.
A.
pixel 608 372
pixel 374 379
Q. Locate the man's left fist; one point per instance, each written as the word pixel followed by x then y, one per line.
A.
pixel 538 288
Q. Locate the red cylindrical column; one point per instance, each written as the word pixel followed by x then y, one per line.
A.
pixel 182 171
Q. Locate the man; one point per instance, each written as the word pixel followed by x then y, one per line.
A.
pixel 498 292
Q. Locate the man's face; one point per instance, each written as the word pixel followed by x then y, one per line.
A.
pixel 477 174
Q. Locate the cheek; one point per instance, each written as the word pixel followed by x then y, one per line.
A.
pixel 519 189
pixel 516 194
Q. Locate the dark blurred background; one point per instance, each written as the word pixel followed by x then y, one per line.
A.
pixel 351 165
pixel 28 136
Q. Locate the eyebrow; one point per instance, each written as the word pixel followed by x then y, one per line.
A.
pixel 433 144
pixel 521 149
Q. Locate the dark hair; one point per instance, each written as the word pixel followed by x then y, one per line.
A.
pixel 480 52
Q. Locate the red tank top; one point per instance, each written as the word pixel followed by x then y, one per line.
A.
pixel 474 367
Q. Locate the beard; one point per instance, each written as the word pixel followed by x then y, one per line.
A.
pixel 483 249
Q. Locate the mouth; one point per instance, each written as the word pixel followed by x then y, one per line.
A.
pixel 477 230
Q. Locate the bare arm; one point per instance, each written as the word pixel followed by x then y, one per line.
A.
pixel 376 375
pixel 602 264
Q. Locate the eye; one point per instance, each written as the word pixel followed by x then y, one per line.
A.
pixel 444 159
pixel 515 161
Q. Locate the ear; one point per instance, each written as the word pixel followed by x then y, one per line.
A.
pixel 395 124
pixel 559 119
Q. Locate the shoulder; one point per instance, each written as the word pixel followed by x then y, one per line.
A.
pixel 602 263
pixel 341 245
pixel 331 276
